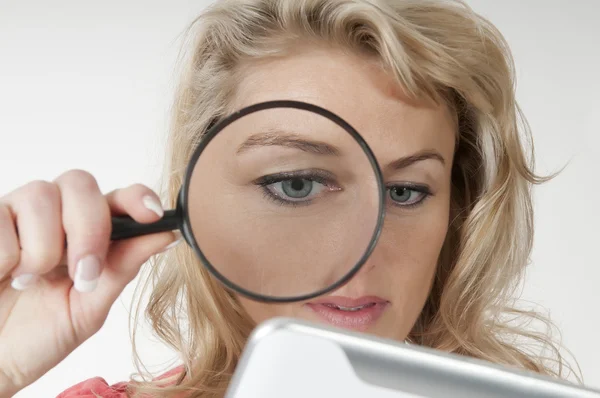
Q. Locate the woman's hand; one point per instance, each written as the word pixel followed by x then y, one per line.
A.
pixel 52 299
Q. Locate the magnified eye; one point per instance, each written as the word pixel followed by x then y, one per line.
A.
pixel 295 188
pixel 407 196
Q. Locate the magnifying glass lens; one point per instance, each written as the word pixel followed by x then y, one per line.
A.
pixel 283 202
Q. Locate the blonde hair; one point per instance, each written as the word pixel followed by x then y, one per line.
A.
pixel 439 50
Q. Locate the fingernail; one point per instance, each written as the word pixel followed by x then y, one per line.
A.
pixel 178 239
pixel 87 273
pixel 153 205
pixel 24 281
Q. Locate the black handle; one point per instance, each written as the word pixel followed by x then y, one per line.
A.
pixel 125 227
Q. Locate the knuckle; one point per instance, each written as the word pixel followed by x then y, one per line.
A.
pixel 42 188
pixel 93 233
pixel 79 180
pixel 139 190
pixel 11 377
pixel 42 195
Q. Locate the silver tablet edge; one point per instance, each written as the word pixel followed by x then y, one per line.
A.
pixel 352 341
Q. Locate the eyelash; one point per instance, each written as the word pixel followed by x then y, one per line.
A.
pixel 422 189
pixel 325 179
pixel 317 176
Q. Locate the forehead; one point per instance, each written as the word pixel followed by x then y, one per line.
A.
pixel 359 91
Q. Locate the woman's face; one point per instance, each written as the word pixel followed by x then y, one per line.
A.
pixel 414 145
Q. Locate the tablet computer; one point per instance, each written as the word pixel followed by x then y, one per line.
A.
pixel 292 358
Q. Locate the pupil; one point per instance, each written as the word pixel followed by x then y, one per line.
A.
pixel 297 185
pixel 297 188
pixel 400 194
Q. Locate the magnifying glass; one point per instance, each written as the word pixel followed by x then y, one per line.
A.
pixel 282 201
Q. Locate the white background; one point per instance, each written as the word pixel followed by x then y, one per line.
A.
pixel 87 84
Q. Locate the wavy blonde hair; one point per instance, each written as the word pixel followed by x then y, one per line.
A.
pixel 438 50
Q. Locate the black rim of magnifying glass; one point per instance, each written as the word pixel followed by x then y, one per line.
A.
pixel 207 138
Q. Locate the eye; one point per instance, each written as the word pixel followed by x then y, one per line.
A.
pixel 407 196
pixel 299 187
pixel 295 189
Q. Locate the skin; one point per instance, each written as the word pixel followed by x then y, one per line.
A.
pixel 402 266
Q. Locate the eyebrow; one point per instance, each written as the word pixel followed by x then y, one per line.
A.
pixel 417 157
pixel 289 140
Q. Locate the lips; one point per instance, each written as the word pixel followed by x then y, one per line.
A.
pixel 348 313
pixel 351 309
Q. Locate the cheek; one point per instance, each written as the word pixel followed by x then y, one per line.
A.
pixel 424 237
pixel 418 236
pixel 410 248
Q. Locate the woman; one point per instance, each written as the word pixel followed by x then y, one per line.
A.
pixel 410 76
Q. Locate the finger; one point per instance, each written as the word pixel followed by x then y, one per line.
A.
pixel 137 201
pixel 37 213
pixel 9 242
pixel 124 261
pixel 87 224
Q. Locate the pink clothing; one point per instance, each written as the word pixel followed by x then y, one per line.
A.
pixel 97 387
